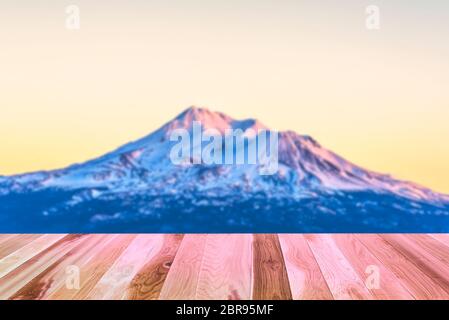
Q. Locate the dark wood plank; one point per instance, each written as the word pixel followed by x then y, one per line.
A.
pixel 147 284
pixel 270 278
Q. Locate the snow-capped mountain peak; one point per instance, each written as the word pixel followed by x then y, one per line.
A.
pixel 140 174
pixel 211 120
pixel 312 166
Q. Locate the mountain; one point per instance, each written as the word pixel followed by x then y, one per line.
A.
pixel 138 188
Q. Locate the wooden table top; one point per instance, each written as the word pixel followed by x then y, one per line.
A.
pixel 224 266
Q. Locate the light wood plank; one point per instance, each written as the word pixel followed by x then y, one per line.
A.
pixel 365 263
pixel 305 277
pixel 270 278
pixel 430 255
pixel 147 283
pixel 342 279
pixel 6 235
pixel 226 269
pixel 95 266
pixel 182 279
pixel 55 276
pixel 12 261
pixel 443 238
pixel 20 276
pixel 419 284
pixel 113 285
pixel 12 243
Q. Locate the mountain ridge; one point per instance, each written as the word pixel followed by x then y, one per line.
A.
pixel 138 180
pixel 290 142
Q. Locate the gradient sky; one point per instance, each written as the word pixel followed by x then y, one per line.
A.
pixel 378 98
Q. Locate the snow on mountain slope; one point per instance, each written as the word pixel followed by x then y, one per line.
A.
pixel 137 188
pixel 304 168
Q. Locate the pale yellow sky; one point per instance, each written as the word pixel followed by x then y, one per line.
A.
pixel 378 98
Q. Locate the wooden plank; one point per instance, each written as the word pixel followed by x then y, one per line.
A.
pixel 443 238
pixel 419 284
pixel 54 277
pixel 182 279
pixel 5 237
pixel 366 264
pixel 20 276
pixel 270 278
pixel 305 277
pixel 342 279
pixel 12 261
pixel 113 285
pixel 95 266
pixel 226 268
pixel 426 253
pixel 11 243
pixel 147 283
pixel 431 249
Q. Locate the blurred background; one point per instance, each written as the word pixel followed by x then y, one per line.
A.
pixel 380 98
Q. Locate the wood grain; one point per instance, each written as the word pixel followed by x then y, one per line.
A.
pixel 10 243
pixel 182 279
pixel 114 283
pixel 224 266
pixel 418 283
pixel 147 283
pixel 443 238
pixel 342 279
pixel 305 277
pixel 226 269
pixel 33 267
pixel 12 261
pixel 270 278
pixel 54 277
pixel 95 266
pixel 427 254
pixel 367 265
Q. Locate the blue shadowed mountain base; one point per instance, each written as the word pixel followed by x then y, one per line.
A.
pixel 138 189
pixel 349 212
